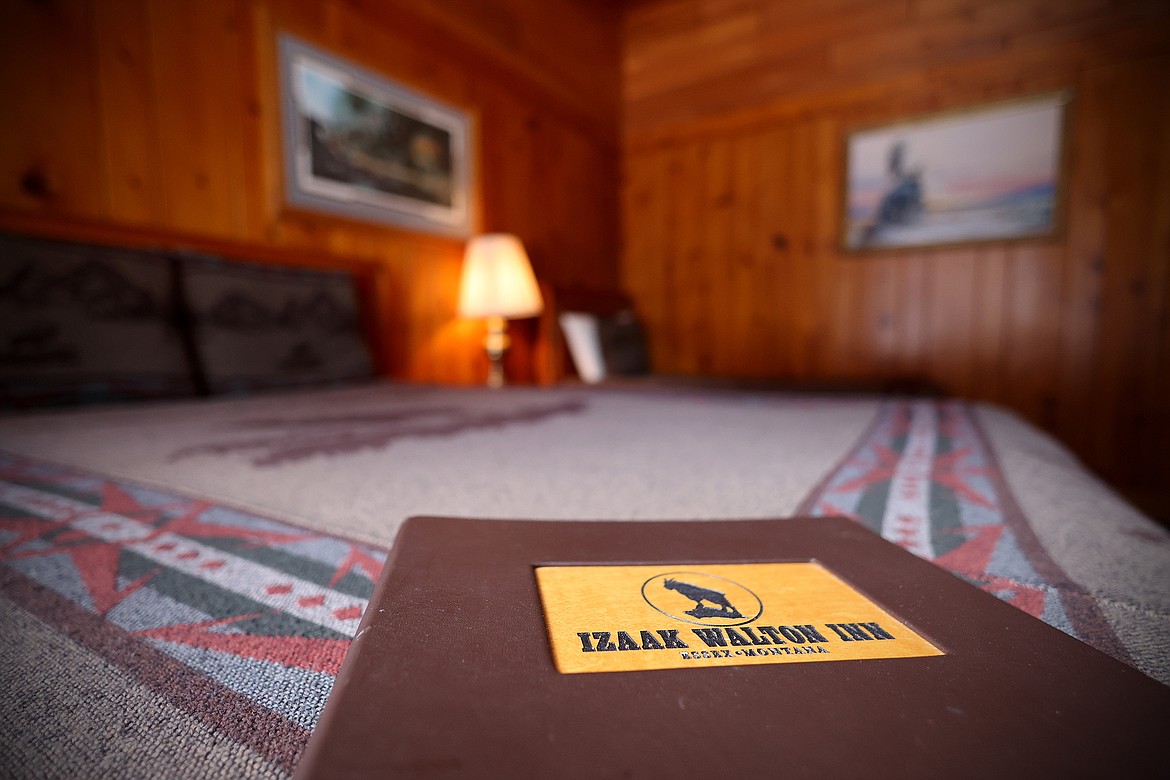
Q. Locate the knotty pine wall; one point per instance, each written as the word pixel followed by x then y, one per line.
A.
pixel 735 113
pixel 163 115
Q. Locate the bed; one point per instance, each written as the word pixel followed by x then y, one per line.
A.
pixel 182 574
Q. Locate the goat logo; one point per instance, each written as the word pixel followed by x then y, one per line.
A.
pixel 702 599
pixel 724 607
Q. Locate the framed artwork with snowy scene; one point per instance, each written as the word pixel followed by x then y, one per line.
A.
pixel 991 173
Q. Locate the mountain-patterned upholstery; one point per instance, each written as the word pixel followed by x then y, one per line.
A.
pixel 88 323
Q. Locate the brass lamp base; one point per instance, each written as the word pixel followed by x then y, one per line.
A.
pixel 496 342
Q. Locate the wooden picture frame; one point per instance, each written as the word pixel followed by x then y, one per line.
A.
pixel 360 146
pixel 991 173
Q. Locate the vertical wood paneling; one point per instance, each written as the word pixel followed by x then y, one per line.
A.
pixel 833 295
pixel 913 331
pixel 714 262
pixel 1134 287
pixel 950 300
pixel 166 116
pixel 690 273
pixel 52 137
pixel 1149 455
pixel 875 331
pixel 802 289
pixel 773 324
pixel 132 160
pixel 200 120
pixel 743 321
pixel 1070 331
pixel 643 208
pixel 1084 259
pixel 987 339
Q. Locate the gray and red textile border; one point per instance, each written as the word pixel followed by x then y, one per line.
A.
pixel 925 477
pixel 243 621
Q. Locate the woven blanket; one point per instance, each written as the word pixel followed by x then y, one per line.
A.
pixel 166 631
pixel 925 477
pixel 239 620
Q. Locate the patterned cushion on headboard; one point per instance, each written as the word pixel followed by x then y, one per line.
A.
pixel 259 327
pixel 86 323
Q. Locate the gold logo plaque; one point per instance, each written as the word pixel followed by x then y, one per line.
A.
pixel 635 618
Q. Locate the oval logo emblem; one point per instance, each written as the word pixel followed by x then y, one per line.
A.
pixel 703 599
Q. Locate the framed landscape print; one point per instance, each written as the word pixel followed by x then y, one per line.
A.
pixel 362 147
pixel 985 174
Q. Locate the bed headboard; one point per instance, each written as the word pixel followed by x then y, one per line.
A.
pixel 95 313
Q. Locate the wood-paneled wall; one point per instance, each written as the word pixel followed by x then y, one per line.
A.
pixel 164 115
pixel 734 125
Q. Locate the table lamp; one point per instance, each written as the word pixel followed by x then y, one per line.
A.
pixel 497 285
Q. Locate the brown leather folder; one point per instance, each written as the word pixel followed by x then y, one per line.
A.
pixel 453 673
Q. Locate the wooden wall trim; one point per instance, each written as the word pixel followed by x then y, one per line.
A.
pixel 140 237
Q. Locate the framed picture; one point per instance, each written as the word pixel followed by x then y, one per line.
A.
pixel 986 174
pixel 362 147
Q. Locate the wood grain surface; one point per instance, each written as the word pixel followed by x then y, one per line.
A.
pixel 164 116
pixel 735 119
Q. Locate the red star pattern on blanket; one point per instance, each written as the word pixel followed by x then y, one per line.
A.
pixel 880 463
pixel 357 559
pixel 972 560
pixel 95 560
pixel 311 653
pixel 26 530
pixel 963 472
pixel 98 564
pixel 952 471
pixel 211 606
pixel 948 469
pixel 187 522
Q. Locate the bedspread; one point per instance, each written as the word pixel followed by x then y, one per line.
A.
pixel 181 580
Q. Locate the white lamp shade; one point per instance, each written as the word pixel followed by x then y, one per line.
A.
pixel 498 279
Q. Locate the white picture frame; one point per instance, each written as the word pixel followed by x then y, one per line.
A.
pixel 359 146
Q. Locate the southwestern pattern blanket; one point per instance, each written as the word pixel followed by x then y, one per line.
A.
pixel 134 590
